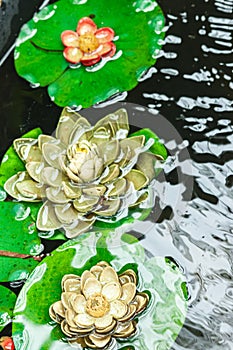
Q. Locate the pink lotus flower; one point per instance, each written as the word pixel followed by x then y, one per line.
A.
pixel 88 44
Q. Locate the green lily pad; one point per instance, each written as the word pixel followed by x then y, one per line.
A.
pixel 157 148
pixel 157 327
pixel 39 50
pixel 18 234
pixel 7 303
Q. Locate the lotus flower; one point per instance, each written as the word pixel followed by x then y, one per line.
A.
pixel 84 172
pixel 99 306
pixel 88 44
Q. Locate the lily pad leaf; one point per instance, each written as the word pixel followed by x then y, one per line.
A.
pixel 39 50
pixel 158 277
pixel 18 234
pixel 7 304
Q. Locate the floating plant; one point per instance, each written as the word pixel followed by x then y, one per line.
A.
pixel 87 51
pixel 141 299
pixel 85 173
pixel 98 306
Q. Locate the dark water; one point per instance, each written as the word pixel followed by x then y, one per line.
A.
pixel 191 85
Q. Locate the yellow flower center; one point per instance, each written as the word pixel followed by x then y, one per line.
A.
pixel 97 305
pixel 81 149
pixel 88 42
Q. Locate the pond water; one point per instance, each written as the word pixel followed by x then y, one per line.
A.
pixel 191 86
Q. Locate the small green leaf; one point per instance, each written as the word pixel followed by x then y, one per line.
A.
pixel 7 304
pixel 18 233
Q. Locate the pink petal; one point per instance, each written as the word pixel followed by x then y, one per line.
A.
pixel 69 38
pixel 104 35
pixel 86 25
pixel 107 50
pixel 72 54
pixel 89 60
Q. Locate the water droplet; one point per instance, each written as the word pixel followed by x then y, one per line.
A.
pixel 21 212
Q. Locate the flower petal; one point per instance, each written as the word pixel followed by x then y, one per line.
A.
pixel 141 301
pixel 86 25
pixel 79 304
pixel 146 164
pixel 66 213
pixel 51 176
pixel 118 309
pixel 108 207
pixel 52 152
pixel 47 219
pixel 34 170
pixel 91 286
pixel 99 342
pixel 85 204
pixel 103 322
pixel 113 173
pixel 128 276
pixel 56 195
pixel 71 283
pixel 73 54
pixel 67 298
pixel 90 59
pixel 57 311
pixel 13 188
pixel 27 149
pixel 85 275
pixel 108 275
pixel 125 330
pixel 71 191
pixel 128 292
pixel 132 309
pixel 84 320
pixel 96 271
pixel 70 38
pixel 66 124
pixel 118 187
pixel 70 316
pixel 105 34
pixel 82 225
pixel 107 50
pixel 138 179
pixel 111 291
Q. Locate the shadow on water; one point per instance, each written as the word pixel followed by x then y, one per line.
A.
pixel 191 85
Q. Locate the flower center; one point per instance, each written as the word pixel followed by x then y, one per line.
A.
pixel 97 305
pixel 88 42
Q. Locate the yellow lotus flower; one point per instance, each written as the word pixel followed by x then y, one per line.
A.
pixel 98 306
